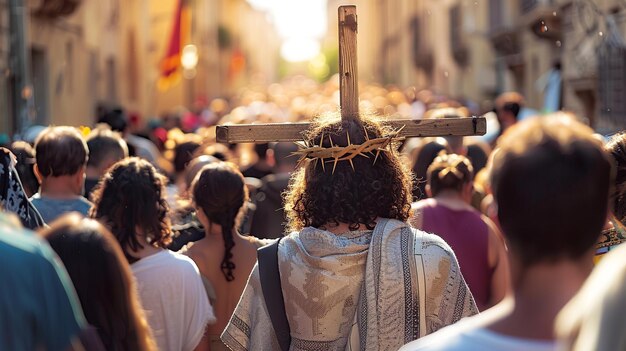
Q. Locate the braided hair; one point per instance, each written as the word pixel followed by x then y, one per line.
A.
pixel 449 171
pixel 220 192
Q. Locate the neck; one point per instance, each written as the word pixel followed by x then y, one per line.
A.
pixel 342 228
pixel 539 293
pixel 60 187
pixel 147 249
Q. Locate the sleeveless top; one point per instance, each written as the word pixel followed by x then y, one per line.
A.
pixel 468 235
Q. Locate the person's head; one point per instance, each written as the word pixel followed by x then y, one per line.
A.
pixel 103 281
pixel 376 187
pixel 594 318
pixel 425 156
pixel 116 119
pixel 183 154
pixel 507 108
pixel 617 148
pixel 261 151
pixel 26 166
pixel 106 147
pixel 551 180
pixel 451 173
pixel 282 156
pixel 61 156
pixel 195 166
pixel 131 203
pixel 220 194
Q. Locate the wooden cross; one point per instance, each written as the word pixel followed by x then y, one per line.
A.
pixel 349 103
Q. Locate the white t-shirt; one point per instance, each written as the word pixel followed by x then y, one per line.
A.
pixel 174 299
pixel 465 336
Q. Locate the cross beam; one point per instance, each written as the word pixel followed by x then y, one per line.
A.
pixel 349 101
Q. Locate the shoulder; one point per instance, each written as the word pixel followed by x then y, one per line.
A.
pixel 179 262
pixel 432 243
pixel 452 338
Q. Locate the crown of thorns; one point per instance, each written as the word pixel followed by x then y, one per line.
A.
pixel 335 153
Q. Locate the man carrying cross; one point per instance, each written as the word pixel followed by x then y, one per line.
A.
pixel 352 275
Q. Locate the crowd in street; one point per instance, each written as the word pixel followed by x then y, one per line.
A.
pixel 149 235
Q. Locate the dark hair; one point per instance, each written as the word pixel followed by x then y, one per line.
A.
pixel 511 102
pixel 261 150
pixel 116 119
pixel 551 181
pixel 617 148
pixel 283 154
pixel 449 172
pixel 195 166
pixel 183 154
pixel 25 155
pixel 132 195
pixel 60 151
pixel 220 192
pixel 103 282
pixel 105 144
pixel 318 196
pixel 425 156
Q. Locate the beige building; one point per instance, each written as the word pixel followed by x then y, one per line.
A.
pixel 88 53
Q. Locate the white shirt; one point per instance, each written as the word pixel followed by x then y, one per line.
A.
pixel 174 299
pixel 467 336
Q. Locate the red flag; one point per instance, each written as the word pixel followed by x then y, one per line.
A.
pixel 170 65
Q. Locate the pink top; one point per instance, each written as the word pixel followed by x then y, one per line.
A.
pixel 468 235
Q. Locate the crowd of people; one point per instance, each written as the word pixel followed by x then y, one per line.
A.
pixel 116 237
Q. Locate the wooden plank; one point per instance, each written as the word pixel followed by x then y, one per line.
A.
pixel 348 81
pixel 263 133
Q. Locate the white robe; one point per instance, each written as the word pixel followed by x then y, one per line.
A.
pixel 358 291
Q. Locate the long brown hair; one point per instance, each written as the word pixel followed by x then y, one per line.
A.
pixel 220 192
pixel 130 196
pixel 102 280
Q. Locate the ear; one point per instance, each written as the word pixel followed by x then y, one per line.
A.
pixel 202 217
pixel 37 173
pixel 429 192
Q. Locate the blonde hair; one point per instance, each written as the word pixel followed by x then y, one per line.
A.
pixel 594 318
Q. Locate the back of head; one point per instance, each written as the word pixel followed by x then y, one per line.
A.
pixel 105 146
pixel 116 119
pixel 425 157
pixel 511 102
pixel 103 281
pixel 283 155
pixel 220 192
pixel 551 181
pixel 449 172
pixel 617 148
pixel 329 190
pixel 60 151
pixel 183 154
pixel 131 202
pixel 195 166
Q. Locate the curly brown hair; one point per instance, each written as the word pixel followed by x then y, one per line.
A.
pixel 318 197
pixel 131 195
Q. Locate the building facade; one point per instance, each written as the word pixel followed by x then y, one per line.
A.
pixel 82 54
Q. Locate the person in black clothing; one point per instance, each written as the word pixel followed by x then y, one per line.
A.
pixel 262 166
pixel 269 218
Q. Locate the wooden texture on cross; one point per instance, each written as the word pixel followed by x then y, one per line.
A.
pixel 348 74
pixel 349 101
